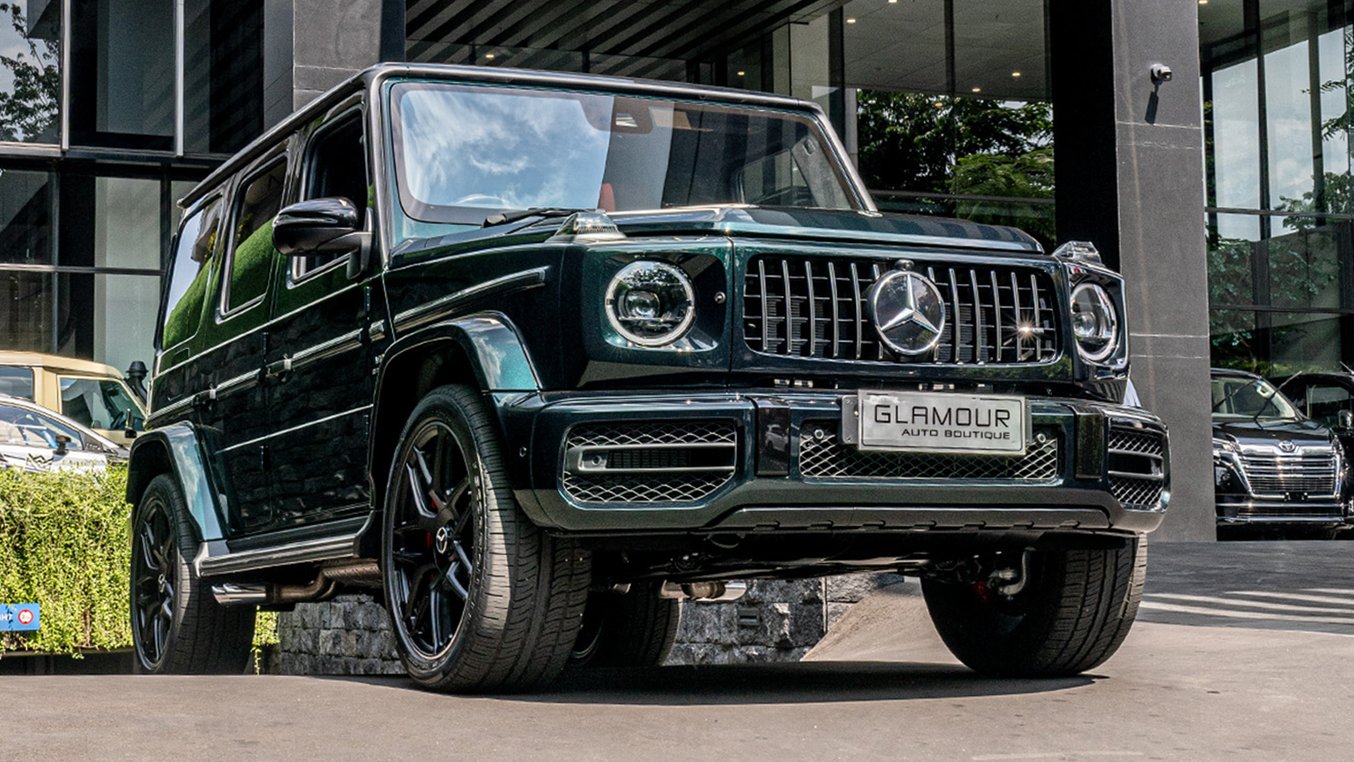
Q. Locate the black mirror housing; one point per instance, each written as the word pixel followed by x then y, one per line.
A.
pixel 317 226
pixel 61 441
pixel 1345 419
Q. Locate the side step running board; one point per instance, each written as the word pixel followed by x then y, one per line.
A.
pixel 332 548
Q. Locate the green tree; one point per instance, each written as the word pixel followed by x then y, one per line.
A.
pixel 913 141
pixel 28 111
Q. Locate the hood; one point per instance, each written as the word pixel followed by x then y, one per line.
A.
pixel 827 225
pixel 1271 432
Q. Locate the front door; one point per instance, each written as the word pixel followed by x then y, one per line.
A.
pixel 327 329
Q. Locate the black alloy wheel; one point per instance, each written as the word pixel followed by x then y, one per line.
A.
pixel 479 597
pixel 177 625
pixel 433 538
pixel 154 565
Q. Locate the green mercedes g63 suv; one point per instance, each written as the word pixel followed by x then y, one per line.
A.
pixel 536 355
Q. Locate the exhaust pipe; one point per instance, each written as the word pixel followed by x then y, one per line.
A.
pixel 708 592
pixel 325 585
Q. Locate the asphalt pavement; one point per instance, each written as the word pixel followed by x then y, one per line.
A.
pixel 1242 651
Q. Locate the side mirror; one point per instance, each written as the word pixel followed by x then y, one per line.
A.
pixel 61 441
pixel 318 226
pixel 130 433
pixel 1345 420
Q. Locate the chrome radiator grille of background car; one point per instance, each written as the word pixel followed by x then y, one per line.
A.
pixel 1312 471
pixel 805 306
pixel 823 456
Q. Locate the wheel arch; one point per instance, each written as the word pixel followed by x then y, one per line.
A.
pixel 483 350
pixel 177 450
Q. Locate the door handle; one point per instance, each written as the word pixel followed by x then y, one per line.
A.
pixel 278 370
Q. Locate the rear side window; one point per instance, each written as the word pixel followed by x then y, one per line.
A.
pixel 17 382
pixel 257 201
pixel 188 280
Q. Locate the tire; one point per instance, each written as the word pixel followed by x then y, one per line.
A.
pixel 1073 614
pixel 636 629
pixel 177 625
pixel 480 599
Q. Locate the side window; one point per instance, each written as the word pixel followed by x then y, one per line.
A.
pixel 336 165
pixel 99 403
pixel 1324 403
pixel 251 258
pixel 17 382
pixel 188 279
pixel 20 426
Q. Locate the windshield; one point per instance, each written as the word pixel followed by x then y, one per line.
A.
pixel 464 152
pixel 1236 397
pixel 100 403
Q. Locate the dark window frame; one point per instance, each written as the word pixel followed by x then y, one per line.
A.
pixel 297 273
pixel 262 167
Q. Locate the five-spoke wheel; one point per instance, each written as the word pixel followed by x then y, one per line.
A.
pixel 479 597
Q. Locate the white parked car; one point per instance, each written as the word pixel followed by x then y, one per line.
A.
pixel 33 438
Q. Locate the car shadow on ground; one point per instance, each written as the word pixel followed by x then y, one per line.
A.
pixel 797 683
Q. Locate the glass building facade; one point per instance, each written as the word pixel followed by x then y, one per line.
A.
pixel 111 109
pixel 1276 87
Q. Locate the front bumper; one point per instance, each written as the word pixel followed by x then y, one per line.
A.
pixel 784 468
pixel 1241 510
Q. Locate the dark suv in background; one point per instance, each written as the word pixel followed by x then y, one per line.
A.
pixel 1274 467
pixel 540 354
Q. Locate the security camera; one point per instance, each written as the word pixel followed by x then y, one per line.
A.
pixel 1161 73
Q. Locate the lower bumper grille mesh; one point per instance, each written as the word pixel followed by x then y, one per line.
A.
pixel 1137 460
pixel 823 456
pixel 665 449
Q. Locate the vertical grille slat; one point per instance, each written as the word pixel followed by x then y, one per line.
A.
pixel 996 314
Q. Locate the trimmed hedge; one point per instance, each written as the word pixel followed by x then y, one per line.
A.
pixel 65 543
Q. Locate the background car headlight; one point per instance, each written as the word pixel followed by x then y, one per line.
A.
pixel 1094 322
pixel 650 303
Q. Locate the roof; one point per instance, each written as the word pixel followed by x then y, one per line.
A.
pixel 58 362
pixel 486 75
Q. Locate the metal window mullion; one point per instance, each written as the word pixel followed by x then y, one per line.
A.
pixel 65 38
pixel 179 76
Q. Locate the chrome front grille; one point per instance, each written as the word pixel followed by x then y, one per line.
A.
pixel 648 462
pixel 805 306
pixel 823 456
pixel 1313 471
pixel 1137 466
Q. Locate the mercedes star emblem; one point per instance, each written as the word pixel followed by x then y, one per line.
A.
pixel 908 311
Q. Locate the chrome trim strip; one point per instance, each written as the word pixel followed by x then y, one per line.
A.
pixel 263 327
pixel 328 348
pixel 256 440
pixel 430 311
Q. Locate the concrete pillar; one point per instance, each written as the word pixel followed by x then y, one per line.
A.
pixel 1130 179
pixel 312 45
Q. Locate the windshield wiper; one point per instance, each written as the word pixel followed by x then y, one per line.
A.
pixel 503 218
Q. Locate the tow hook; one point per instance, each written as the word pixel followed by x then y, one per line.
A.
pixel 1010 581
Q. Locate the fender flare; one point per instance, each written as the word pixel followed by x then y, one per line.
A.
pixel 180 447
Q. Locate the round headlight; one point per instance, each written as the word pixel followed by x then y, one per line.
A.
pixel 650 303
pixel 1094 323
